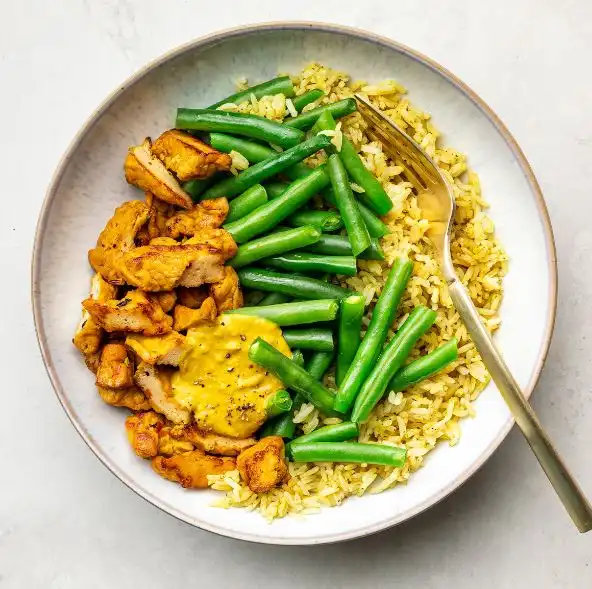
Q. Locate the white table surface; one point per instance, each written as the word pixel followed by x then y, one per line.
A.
pixel 66 522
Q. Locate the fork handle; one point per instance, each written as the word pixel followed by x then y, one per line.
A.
pixel 563 482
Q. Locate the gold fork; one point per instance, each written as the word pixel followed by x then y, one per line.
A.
pixel 436 199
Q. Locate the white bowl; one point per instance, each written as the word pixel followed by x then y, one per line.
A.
pixel 89 184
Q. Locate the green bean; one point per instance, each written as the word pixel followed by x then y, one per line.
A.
pixel 337 109
pixel 371 346
pixel 391 359
pixel 349 452
pixel 248 201
pixel 349 335
pixel 324 221
pixel 303 262
pixel 274 244
pixel 278 403
pixel 274 298
pixel 305 99
pixel 338 245
pixel 293 376
pixel 299 287
pixel 275 211
pixel 266 169
pixel 330 433
pixel 298 313
pixel 314 338
pixel 284 425
pixel 354 223
pixel 253 151
pixel 199 119
pixel 252 297
pixel 374 194
pixel 271 425
pixel 195 188
pixel 298 357
pixel 376 228
pixel 275 189
pixel 425 366
pixel 282 85
pixel 319 364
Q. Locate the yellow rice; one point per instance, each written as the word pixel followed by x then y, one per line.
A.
pixel 423 415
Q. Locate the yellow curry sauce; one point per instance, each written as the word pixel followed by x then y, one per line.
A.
pixel 226 391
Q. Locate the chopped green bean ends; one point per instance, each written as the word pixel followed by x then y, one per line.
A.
pixel 279 327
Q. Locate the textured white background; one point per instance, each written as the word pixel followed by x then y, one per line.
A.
pixel 66 523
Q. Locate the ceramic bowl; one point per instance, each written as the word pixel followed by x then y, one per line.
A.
pixel 89 184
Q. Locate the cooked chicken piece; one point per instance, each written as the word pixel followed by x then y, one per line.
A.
pixel 165 264
pixel 167 299
pixel 227 293
pixel 163 349
pixel 92 361
pixel 117 238
pixel 132 398
pixel 204 270
pixel 143 432
pixel 263 466
pixel 192 297
pixel 208 214
pixel 216 238
pixel 89 334
pixel 185 318
pixel 135 313
pixel 188 157
pixel 191 469
pixel 149 436
pixel 210 442
pixel 156 384
pixel 148 173
pixel 115 370
pixel 160 212
pixel 169 446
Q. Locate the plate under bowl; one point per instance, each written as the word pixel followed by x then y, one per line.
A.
pixel 89 184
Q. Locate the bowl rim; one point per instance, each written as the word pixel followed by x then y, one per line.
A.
pixel 205 42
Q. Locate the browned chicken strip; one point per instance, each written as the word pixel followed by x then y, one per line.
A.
pixel 208 214
pixel 210 442
pixel 148 173
pixel 191 469
pixel 163 349
pixel 116 238
pixel 192 297
pixel 143 432
pixel 156 384
pixel 132 398
pixel 165 264
pixel 203 270
pixel 227 293
pixel 185 318
pixel 167 299
pixel 188 157
pixel 135 312
pixel 89 334
pixel 160 212
pixel 115 371
pixel 263 466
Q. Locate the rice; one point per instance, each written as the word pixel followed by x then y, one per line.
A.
pixel 430 412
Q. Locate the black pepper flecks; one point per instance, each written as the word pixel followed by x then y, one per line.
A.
pixel 243 338
pixel 227 355
pixel 123 302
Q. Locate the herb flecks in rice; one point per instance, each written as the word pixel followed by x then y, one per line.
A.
pixel 425 414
